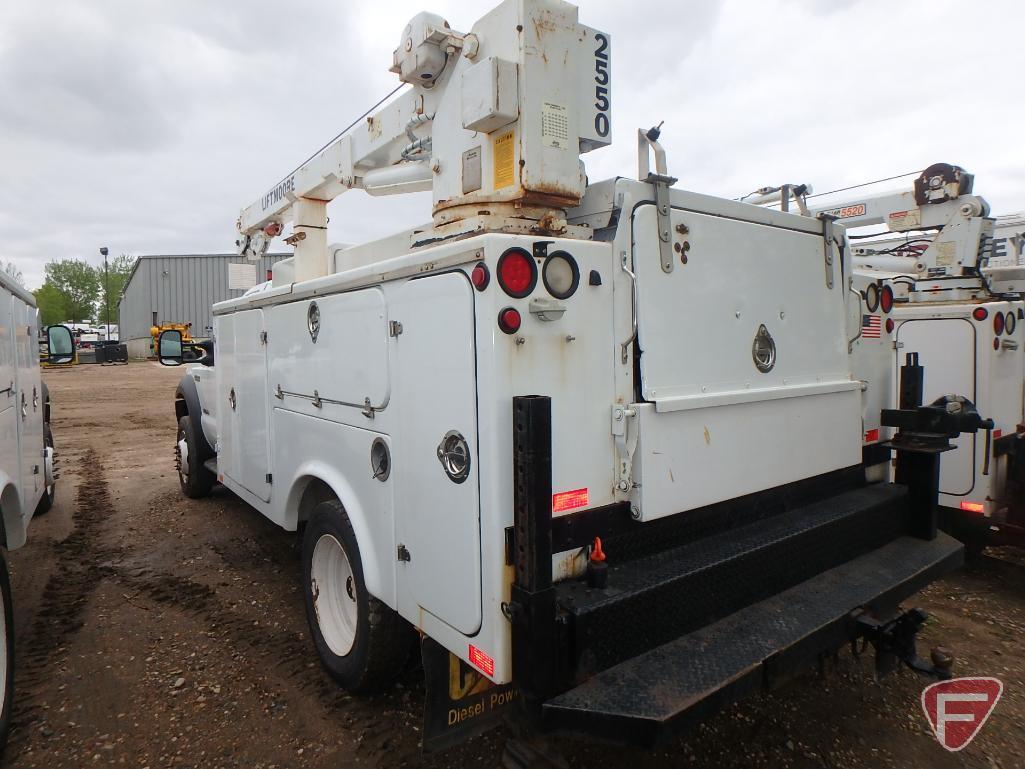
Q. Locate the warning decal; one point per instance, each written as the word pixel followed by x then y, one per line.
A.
pixel 504 151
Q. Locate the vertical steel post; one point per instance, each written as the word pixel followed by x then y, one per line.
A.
pixel 921 473
pixel 918 470
pixel 912 379
pixel 533 596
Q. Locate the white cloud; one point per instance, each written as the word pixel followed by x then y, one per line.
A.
pixel 145 126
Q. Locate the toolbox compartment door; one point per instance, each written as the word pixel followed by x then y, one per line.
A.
pixel 242 393
pixel 436 518
pixel 715 425
pixel 946 348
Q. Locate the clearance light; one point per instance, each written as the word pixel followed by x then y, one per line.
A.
pixel 886 299
pixel 517 273
pixel 980 313
pixel 569 500
pixel 479 276
pixel 509 320
pixel 973 507
pixel 889 325
pixel 998 323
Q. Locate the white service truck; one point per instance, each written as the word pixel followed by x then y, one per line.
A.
pixel 27 484
pixel 953 292
pixel 599 444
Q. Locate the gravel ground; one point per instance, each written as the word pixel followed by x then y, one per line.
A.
pixel 156 631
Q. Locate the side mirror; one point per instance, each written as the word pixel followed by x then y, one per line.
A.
pixel 60 345
pixel 169 348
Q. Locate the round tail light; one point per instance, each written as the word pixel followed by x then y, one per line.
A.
pixel 886 299
pixel 872 297
pixel 480 276
pixel 980 313
pixel 561 275
pixel 517 273
pixel 1010 324
pixel 998 323
pixel 509 320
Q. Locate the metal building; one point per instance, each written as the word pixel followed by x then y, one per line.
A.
pixel 179 288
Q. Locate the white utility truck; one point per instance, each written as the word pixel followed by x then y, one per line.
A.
pixel 598 443
pixel 956 299
pixel 27 485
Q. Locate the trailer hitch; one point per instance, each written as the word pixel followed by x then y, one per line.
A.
pixel 894 641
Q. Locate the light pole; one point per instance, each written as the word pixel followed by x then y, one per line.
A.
pixel 106 297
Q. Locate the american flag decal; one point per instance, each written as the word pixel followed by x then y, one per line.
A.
pixel 871 326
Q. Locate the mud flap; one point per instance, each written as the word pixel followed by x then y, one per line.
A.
pixel 460 703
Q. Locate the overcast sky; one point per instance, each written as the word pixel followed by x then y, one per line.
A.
pixel 146 125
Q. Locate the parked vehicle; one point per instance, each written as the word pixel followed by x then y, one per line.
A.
pixel 27 481
pixel 599 444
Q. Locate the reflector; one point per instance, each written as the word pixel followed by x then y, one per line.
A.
pixel 980 313
pixel 569 500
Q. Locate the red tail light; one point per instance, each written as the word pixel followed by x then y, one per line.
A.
pixel 509 320
pixel 886 299
pixel 480 276
pixel 517 273
pixel 973 507
pixel 998 323
pixel 980 313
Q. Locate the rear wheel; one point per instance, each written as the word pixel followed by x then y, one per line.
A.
pixel 361 642
pixel 195 478
pixel 50 492
pixel 6 650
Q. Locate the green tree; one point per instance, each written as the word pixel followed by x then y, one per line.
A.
pixel 77 281
pixel 112 284
pixel 12 270
pixel 52 307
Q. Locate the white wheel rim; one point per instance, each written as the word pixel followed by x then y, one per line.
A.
pixel 183 458
pixel 334 595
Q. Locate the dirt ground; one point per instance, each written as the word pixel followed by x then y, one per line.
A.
pixel 157 631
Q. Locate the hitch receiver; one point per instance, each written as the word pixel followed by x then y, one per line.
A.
pixel 894 641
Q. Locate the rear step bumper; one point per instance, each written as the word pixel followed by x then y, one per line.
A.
pixel 672 686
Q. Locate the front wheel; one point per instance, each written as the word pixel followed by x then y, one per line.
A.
pixel 50 492
pixel 6 650
pixel 361 642
pixel 195 478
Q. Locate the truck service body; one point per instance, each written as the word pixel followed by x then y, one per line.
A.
pixel 957 301
pixel 550 374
